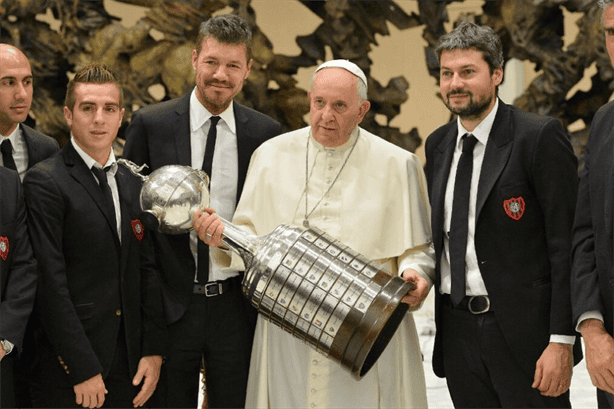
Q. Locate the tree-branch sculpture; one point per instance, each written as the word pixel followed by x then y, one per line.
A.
pixel 156 53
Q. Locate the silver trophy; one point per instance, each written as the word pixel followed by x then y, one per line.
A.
pixel 170 196
pixel 301 279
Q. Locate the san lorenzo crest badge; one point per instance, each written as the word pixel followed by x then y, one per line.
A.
pixel 4 247
pixel 514 207
pixel 137 229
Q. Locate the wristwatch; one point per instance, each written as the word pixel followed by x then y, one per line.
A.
pixel 6 345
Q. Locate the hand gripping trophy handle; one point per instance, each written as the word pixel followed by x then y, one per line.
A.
pixel 300 279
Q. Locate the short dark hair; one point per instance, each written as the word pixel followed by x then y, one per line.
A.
pixel 226 28
pixel 481 38
pixel 94 73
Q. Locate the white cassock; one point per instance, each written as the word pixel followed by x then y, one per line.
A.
pixel 379 207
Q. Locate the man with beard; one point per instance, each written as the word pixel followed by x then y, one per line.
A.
pixel 206 313
pixel 502 185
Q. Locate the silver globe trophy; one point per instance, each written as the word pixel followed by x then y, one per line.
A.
pixel 299 278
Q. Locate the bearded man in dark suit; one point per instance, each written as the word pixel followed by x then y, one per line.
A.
pixel 206 313
pixel 502 185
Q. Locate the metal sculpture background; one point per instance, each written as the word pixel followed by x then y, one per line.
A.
pixel 530 29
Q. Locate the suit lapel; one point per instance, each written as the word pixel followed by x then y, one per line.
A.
pixel 80 172
pixel 245 144
pixel 183 132
pixel 33 153
pixel 498 149
pixel 125 195
pixel 441 171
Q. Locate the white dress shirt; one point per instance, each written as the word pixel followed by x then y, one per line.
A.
pixel 474 282
pixel 90 162
pixel 224 170
pixel 20 151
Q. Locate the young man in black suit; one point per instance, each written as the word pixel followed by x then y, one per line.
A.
pixel 502 185
pixel 592 296
pixel 22 147
pixel 17 280
pixel 206 313
pixel 101 336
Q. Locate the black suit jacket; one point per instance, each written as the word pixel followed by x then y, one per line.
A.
pixel 40 146
pixel 17 265
pixel 159 135
pixel 525 263
pixel 592 277
pixel 89 282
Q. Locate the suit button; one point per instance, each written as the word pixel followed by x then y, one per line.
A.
pixel 118 312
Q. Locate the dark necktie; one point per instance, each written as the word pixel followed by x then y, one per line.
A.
pixel 202 274
pixel 460 215
pixel 210 147
pixel 7 154
pixel 109 206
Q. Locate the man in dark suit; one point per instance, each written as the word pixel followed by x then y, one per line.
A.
pixel 592 278
pixel 101 336
pixel 502 185
pixel 206 313
pixel 17 280
pixel 22 147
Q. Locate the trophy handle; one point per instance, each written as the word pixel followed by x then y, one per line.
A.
pixel 241 242
pixel 134 168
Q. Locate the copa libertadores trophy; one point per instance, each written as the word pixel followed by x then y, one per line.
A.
pixel 301 279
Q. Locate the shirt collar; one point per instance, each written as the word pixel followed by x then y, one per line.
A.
pixel 199 115
pixel 483 129
pixel 14 136
pixel 90 162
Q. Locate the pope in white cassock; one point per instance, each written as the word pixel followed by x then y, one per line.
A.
pixel 367 193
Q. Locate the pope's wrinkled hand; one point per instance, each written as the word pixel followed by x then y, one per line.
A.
pixel 420 291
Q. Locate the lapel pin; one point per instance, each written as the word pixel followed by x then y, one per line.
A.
pixel 4 247
pixel 137 229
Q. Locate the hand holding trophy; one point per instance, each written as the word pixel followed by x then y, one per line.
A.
pixel 299 278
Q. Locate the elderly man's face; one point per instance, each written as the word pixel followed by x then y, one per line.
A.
pixel 335 107
pixel 608 22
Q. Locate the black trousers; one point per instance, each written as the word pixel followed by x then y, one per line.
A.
pixel 50 388
pixel 481 370
pixel 219 329
pixel 7 385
